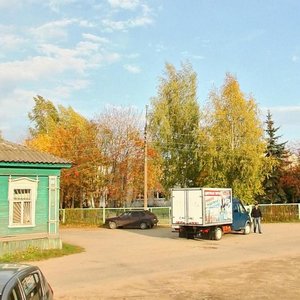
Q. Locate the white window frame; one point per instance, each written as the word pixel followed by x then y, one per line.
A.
pixel 22 183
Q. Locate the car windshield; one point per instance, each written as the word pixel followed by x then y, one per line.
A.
pixel 125 214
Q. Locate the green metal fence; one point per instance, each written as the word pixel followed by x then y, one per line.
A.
pixel 95 216
pixel 280 212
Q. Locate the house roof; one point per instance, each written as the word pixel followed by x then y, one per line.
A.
pixel 15 153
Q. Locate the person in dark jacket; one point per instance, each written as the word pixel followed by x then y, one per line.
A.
pixel 257 216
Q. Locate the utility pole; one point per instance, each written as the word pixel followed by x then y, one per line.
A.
pixel 146 163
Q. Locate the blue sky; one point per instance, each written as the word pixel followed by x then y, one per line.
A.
pixel 92 53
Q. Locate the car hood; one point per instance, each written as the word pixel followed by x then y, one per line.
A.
pixel 111 219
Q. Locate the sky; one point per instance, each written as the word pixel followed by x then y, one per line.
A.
pixel 89 54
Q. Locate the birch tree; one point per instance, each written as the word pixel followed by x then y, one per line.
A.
pixel 174 126
pixel 235 150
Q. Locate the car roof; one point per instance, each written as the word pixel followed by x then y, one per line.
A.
pixel 7 271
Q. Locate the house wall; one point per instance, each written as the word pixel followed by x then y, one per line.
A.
pixel 20 238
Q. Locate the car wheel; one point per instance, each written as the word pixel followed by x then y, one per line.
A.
pixel 143 225
pixel 112 225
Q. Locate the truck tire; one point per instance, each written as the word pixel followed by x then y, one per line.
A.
pixel 182 234
pixel 217 233
pixel 190 235
pixel 247 228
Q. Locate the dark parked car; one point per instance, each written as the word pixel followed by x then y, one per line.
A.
pixel 133 219
pixel 23 282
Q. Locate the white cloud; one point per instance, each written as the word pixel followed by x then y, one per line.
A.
pixel 53 30
pixel 11 41
pixel 54 60
pixel 95 38
pixel 125 4
pixel 192 56
pixel 160 48
pixel 12 4
pixel 133 55
pixel 139 21
pixel 287 118
pixel 15 106
pixel 39 67
pixel 285 115
pixel 295 58
pixel 284 109
pixel 86 23
pixel 66 88
pixel 30 69
pixel 132 69
pixel 199 57
pixel 56 5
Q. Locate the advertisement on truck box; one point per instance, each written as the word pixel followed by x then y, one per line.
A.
pixel 218 206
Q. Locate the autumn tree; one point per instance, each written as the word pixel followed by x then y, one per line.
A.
pixel 44 116
pixel 120 138
pixel 235 146
pixel 73 137
pixel 275 150
pixel 290 183
pixel 174 127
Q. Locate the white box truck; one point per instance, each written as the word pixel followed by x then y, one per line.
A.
pixel 207 212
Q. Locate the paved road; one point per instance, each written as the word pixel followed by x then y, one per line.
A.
pixel 149 264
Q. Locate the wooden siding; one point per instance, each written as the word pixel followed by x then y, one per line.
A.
pixel 42 202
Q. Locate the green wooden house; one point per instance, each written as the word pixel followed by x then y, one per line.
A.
pixel 29 198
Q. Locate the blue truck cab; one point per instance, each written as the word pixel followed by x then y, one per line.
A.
pixel 241 217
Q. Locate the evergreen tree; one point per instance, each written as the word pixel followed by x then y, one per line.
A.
pixel 275 150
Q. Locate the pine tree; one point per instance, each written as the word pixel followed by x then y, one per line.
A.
pixel 277 151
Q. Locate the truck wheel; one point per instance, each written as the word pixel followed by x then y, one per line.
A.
pixel 190 235
pixel 218 233
pixel 182 234
pixel 247 228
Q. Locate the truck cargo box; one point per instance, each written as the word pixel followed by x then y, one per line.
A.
pixel 201 206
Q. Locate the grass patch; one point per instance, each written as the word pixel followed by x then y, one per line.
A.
pixel 36 254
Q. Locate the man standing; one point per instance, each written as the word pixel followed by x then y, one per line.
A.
pixel 256 215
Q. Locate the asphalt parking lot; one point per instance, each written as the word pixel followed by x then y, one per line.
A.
pixel 149 264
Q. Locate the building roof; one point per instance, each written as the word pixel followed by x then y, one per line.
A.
pixel 15 153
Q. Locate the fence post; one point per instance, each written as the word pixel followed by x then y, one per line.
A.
pixel 64 216
pixel 103 214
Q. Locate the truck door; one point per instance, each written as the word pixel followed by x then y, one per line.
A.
pixel 194 207
pixel 178 207
pixel 240 215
